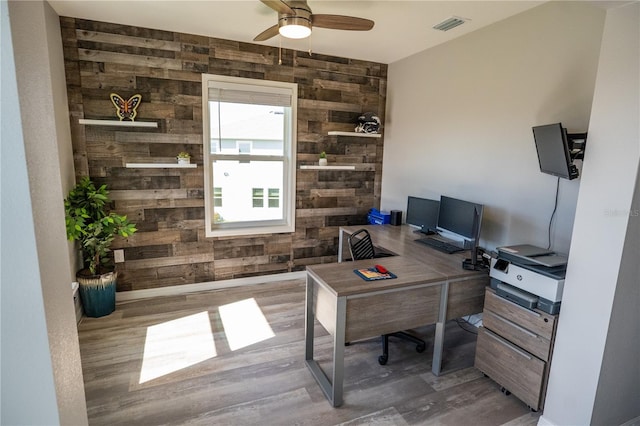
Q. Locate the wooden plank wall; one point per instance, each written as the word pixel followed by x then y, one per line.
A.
pixel 168 204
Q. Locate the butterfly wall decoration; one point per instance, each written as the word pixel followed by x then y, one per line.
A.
pixel 126 110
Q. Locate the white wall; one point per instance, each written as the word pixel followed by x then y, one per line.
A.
pixel 595 374
pixel 459 119
pixel 26 368
pixel 618 393
pixel 45 139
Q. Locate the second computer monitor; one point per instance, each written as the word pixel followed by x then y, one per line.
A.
pixel 460 217
pixel 422 212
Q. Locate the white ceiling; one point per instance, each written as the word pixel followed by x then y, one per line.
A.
pixel 402 27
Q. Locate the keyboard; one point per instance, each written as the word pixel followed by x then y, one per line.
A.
pixel 439 245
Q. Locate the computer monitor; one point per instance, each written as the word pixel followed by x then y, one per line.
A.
pixel 461 218
pixel 423 213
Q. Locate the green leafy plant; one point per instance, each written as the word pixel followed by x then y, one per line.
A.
pixel 89 223
pixel 323 154
pixel 184 154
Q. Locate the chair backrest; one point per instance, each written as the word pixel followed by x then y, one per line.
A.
pixel 361 245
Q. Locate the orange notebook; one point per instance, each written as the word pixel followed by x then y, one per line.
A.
pixel 372 274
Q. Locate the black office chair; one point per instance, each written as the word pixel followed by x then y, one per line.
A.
pixel 361 247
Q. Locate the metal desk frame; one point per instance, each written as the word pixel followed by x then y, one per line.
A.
pixel 333 387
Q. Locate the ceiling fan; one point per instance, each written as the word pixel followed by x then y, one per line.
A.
pixel 295 20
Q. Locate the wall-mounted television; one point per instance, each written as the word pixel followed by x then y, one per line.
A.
pixel 554 154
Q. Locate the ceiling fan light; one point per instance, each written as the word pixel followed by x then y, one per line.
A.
pixel 295 31
pixel 297 26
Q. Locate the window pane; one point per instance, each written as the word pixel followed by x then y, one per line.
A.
pixel 242 128
pixel 217 197
pixel 242 185
pixel 258 194
pixel 274 197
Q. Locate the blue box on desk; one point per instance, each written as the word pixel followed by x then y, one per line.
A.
pixel 376 217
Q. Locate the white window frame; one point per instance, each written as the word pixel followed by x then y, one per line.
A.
pixel 289 157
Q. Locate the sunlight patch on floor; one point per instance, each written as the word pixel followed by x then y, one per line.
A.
pixel 177 344
pixel 244 324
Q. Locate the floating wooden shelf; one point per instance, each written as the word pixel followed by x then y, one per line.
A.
pixel 358 135
pixel 160 166
pixel 118 123
pixel 327 167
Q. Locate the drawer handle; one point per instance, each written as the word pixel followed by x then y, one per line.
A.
pixel 514 325
pixel 507 344
pixel 520 307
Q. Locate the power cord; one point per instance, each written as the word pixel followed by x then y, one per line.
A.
pixel 461 321
pixel 555 207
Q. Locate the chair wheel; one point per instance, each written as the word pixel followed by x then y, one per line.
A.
pixel 382 360
pixel 421 347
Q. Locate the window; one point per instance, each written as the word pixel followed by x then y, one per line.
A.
pixel 217 196
pixel 274 197
pixel 258 197
pixel 249 155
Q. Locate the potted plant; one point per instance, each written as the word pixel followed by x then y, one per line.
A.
pixel 89 223
pixel 184 158
pixel 323 159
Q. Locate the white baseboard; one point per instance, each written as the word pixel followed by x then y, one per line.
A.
pixel 542 421
pixel 209 285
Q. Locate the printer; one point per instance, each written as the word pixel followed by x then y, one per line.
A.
pixel 530 276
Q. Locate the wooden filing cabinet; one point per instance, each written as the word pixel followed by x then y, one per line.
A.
pixel 514 348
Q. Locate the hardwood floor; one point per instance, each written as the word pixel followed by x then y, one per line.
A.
pixel 154 362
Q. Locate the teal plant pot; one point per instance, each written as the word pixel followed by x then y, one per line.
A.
pixel 98 293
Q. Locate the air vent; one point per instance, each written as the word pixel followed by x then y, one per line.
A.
pixel 449 24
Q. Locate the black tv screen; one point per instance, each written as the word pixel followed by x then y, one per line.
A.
pixel 553 150
pixel 422 212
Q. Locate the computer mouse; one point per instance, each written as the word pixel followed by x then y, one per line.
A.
pixel 381 269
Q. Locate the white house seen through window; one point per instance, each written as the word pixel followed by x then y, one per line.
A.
pixel 249 146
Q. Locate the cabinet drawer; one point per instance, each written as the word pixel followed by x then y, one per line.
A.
pixel 536 321
pixel 527 340
pixel 516 370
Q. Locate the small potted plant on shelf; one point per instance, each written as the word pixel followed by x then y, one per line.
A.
pixel 323 159
pixel 89 222
pixel 184 158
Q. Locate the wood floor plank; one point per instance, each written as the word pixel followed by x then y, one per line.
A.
pixel 267 382
pixel 386 417
pixel 448 380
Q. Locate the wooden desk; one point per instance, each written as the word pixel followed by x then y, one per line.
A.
pixel 431 288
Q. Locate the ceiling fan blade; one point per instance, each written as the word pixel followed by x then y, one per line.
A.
pixel 339 22
pixel 279 6
pixel 267 34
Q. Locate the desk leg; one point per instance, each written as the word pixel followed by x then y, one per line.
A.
pixel 338 351
pixel 309 321
pixel 332 389
pixel 438 344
